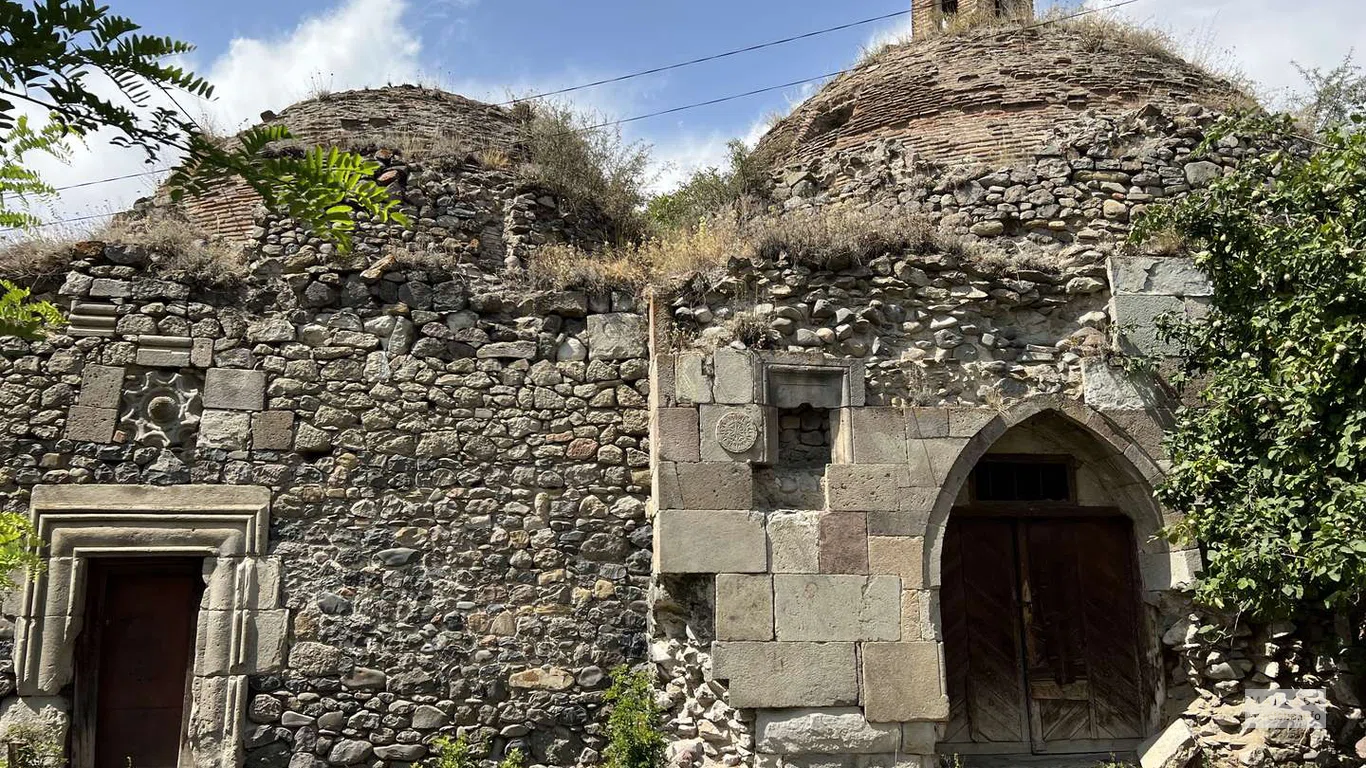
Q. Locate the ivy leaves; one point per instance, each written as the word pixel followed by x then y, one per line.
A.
pixel 1270 473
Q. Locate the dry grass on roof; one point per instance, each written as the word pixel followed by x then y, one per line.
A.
pixel 174 250
pixel 829 237
pixel 1098 33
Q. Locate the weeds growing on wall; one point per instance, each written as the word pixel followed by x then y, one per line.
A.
pixel 33 746
pixel 1269 475
pixel 634 738
pixel 572 154
pixel 459 753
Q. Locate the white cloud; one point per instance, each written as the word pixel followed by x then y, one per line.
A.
pixel 1261 38
pixel 359 43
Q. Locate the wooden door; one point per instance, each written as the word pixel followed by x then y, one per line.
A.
pixel 133 674
pixel 1064 591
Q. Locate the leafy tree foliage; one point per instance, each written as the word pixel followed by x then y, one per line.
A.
pixel 708 190
pixel 60 55
pixel 22 183
pixel 634 739
pixel 1270 473
pixel 1332 96
pixel 24 318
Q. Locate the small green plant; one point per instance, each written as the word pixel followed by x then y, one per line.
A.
pixel 634 738
pixel 31 746
pixel 513 759
pixel 453 753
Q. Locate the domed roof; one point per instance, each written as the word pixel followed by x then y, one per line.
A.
pixel 418 122
pixel 986 94
pixel 418 117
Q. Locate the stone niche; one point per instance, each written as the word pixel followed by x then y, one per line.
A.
pixel 241 629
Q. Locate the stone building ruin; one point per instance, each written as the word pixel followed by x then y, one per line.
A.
pixel 401 493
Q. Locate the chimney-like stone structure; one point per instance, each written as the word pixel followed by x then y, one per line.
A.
pixel 929 16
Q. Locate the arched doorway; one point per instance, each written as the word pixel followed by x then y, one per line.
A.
pixel 1043 624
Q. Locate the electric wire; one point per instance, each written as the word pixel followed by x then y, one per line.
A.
pixel 646 116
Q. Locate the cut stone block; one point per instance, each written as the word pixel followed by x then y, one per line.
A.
pixel 1175 747
pixel 617 336
pixel 162 357
pixel 662 383
pixel 919 738
pixel 828 607
pixel 878 435
pixel 1169 570
pixel 708 485
pixel 101 386
pixel 910 520
pixel 736 374
pixel 932 460
pixel 791 386
pixel 744 607
pixel 793 542
pixel 966 422
pixel 736 433
pixel 823 732
pixel 201 353
pixel 898 556
pixel 866 487
pixel 1161 275
pixel 676 434
pixel 710 541
pixel 508 350
pixel 95 425
pixel 690 380
pixel 844 542
pixel 272 430
pixel 225 429
pixel 913 615
pixel 901 683
pixel 267 637
pixel 777 675
pixel 236 390
pixel 1137 316
pixel 107 287
pixel 1109 387
pixel 928 422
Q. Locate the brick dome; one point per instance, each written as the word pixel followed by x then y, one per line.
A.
pixel 418 122
pixel 988 94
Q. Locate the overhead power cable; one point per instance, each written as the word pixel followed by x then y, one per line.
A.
pixel 648 115
pixel 704 59
pixel 605 81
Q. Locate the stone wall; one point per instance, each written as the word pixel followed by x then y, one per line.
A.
pixel 456 470
pixel 796 608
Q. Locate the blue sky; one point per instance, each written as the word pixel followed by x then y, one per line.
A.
pixel 267 55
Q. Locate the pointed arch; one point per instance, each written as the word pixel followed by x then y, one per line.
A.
pixel 1134 470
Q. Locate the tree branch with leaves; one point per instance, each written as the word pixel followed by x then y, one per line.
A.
pixel 1269 473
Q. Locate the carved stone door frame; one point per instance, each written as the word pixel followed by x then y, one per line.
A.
pixel 242 628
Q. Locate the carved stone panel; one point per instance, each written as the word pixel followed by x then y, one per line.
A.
pixel 161 409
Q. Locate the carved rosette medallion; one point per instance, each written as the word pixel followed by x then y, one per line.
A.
pixel 736 432
pixel 161 410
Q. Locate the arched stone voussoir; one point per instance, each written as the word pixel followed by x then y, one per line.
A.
pixel 1126 455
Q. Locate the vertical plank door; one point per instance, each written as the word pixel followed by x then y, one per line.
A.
pixel 142 618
